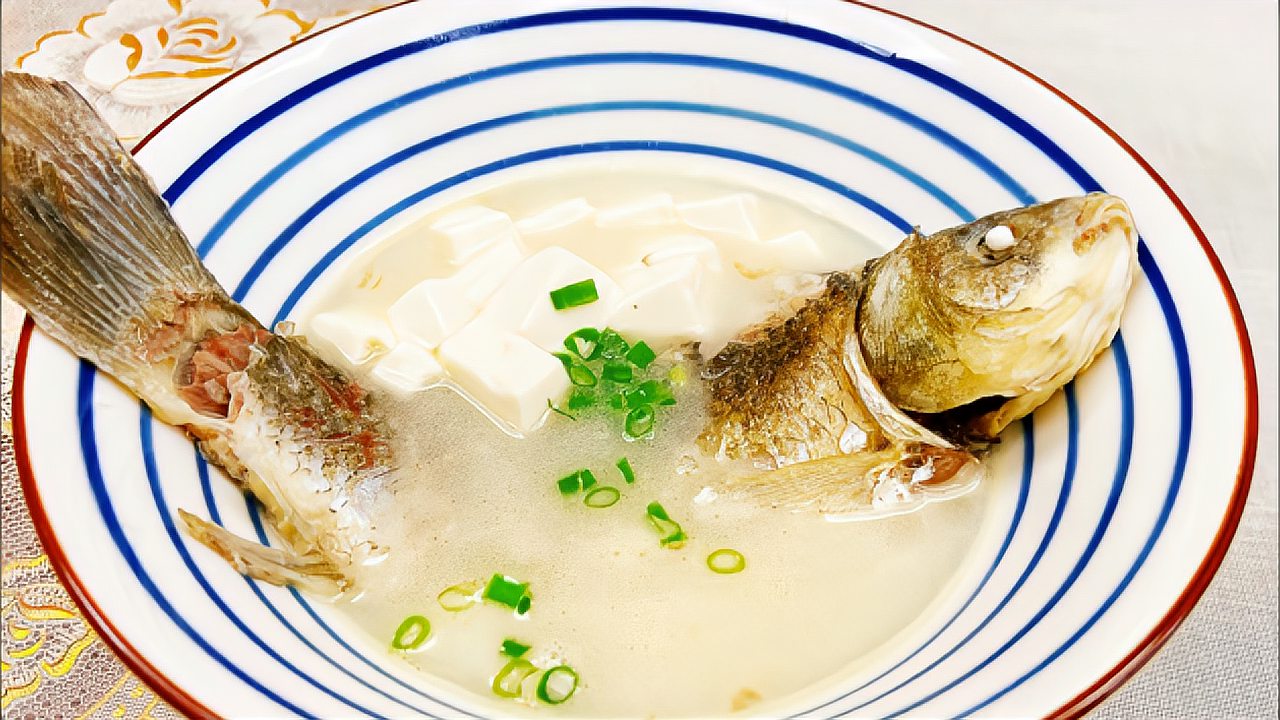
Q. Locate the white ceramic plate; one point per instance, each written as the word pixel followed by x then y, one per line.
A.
pixel 1122 493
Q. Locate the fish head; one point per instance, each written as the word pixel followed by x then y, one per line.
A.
pixel 997 314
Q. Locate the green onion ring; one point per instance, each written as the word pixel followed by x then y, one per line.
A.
pixel 545 693
pixel 601 497
pixel 457 598
pixel 412 633
pixel 726 561
pixel 511 677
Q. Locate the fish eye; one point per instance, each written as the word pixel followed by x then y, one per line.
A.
pixel 991 244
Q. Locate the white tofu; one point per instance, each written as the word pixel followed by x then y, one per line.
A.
pixel 798 251
pixel 662 304
pixel 734 215
pixel 654 210
pixel 408 367
pixel 431 311
pixel 556 217
pixel 484 274
pixel 357 336
pixel 523 304
pixel 510 376
pixel 472 229
pixel 683 245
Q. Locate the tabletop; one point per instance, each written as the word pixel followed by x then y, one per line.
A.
pixel 1191 85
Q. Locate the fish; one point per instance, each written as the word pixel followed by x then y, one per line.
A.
pixel 91 250
pixel 883 390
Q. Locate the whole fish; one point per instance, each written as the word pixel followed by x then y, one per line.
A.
pixel 92 252
pixel 883 390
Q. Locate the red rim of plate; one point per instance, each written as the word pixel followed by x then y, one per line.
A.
pixel 1078 706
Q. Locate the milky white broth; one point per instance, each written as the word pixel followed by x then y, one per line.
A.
pixel 650 630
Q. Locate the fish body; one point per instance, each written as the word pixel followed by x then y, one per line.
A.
pixel 885 388
pixel 92 252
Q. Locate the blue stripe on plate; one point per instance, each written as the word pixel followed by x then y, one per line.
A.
pixel 106 509
pixel 964 150
pixel 1104 522
pixel 303 219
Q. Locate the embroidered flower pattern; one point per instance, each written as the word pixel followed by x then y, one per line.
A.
pixel 139 60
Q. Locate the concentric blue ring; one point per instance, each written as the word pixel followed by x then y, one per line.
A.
pixel 1068 165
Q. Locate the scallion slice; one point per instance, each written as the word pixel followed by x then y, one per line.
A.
pixel 641 355
pixel 457 598
pixel 412 633
pixel 506 591
pixel 514 648
pixel 585 343
pixel 569 484
pixel 582 292
pixel 726 561
pixel 618 372
pixel 557 684
pixel 672 535
pixel 624 467
pixel 617 401
pixel 652 392
pixel 551 406
pixel 601 497
pixel 639 421
pixel 678 375
pixel 581 398
pixel 612 345
pixel 588 479
pixel 511 677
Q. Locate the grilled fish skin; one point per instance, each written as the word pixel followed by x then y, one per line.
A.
pixel 91 251
pixel 922 357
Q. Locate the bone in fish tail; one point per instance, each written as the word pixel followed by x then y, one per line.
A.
pixel 91 250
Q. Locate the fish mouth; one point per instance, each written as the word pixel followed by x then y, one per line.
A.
pixel 1103 217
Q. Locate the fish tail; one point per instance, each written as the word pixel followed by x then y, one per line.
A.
pixel 89 246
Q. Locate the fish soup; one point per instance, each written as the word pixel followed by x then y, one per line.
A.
pixel 656 594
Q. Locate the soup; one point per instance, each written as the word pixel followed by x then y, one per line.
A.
pixel 751 603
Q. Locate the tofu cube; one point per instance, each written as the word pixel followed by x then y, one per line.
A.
pixel 356 336
pixel 505 373
pixel 733 215
pixel 472 229
pixel 556 217
pixel 408 367
pixel 654 210
pixel 683 245
pixel 798 251
pixel 480 278
pixel 431 311
pixel 661 304
pixel 523 304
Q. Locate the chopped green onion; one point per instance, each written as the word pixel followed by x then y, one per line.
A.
pixel 641 355
pixel 581 398
pixel 601 497
pixel 579 374
pixel 412 633
pixel 557 684
pixel 651 392
pixel 726 561
pixel 672 534
pixel 457 598
pixel 588 479
pixel 678 375
pixel 617 401
pixel 612 345
pixel 584 343
pixel 514 648
pixel 511 677
pixel 551 406
pixel 615 371
pixel 582 292
pixel 506 591
pixel 624 467
pixel 569 484
pixel 639 421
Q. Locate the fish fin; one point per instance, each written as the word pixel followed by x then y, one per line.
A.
pixel 274 565
pixel 89 246
pixel 863 485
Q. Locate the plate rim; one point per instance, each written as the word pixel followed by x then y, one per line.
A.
pixel 1081 704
